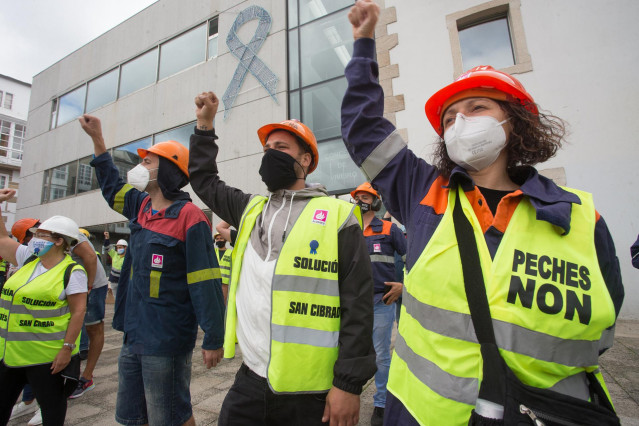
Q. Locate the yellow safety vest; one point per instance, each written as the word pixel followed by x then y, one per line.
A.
pixel 548 300
pixel 225 266
pixel 116 260
pixel 305 315
pixel 33 321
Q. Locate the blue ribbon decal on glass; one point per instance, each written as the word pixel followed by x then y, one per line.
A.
pixel 247 55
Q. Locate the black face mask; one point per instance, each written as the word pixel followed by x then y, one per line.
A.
pixel 220 244
pixel 278 170
pixel 364 207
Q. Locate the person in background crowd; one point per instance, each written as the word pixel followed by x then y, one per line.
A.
pixel 21 231
pixel 47 285
pixel 169 283
pixel 220 245
pixel 384 239
pixel 117 256
pixel 225 257
pixel 305 331
pixel 530 233
pixel 85 254
pixel 634 253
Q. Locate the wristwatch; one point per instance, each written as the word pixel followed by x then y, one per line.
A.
pixel 69 345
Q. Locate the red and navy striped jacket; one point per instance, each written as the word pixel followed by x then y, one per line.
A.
pixel 170 279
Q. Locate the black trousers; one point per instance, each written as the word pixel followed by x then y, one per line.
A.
pixel 250 401
pixel 48 389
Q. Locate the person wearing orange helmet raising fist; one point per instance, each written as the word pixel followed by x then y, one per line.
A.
pixel 482 221
pixel 169 282
pixel 301 287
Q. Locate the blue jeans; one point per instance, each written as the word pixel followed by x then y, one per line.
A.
pixel 27 393
pixel 382 331
pixel 95 306
pixel 153 389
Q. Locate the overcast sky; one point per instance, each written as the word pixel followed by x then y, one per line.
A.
pixel 35 34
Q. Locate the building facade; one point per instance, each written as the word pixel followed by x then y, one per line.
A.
pixel 272 60
pixel 14 108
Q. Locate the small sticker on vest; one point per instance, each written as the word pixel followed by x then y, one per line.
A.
pixel 157 261
pixel 377 247
pixel 320 217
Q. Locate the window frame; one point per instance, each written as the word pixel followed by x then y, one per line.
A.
pixel 212 38
pixel 204 24
pixel 511 9
pixel 9 96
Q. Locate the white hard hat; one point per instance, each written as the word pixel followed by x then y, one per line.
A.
pixel 61 225
pixel 122 243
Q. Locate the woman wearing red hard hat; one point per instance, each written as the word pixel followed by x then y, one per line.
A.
pixel 539 256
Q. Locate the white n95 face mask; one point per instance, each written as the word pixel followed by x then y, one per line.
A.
pixel 474 143
pixel 139 177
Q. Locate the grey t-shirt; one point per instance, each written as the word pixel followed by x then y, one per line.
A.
pixel 100 276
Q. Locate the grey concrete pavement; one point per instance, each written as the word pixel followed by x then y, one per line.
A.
pixel 620 367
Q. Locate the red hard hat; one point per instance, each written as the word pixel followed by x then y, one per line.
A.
pixel 20 228
pixel 365 187
pixel 173 151
pixel 481 81
pixel 298 129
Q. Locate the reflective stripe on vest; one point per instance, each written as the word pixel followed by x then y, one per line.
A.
pixel 305 317
pixel 549 319
pixel 33 321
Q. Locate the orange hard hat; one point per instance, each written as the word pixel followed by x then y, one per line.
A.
pixel 481 81
pixel 20 228
pixel 172 151
pixel 365 187
pixel 297 128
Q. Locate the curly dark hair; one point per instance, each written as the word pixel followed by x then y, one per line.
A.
pixel 532 140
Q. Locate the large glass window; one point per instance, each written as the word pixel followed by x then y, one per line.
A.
pixel 292 13
pixel 293 60
pixel 326 48
pixel 180 134
pixel 126 156
pixel 71 105
pixel 294 107
pixel 102 90
pixel 313 9
pixel 337 172
pixel 182 52
pixel 487 43
pixel 18 141
pixel 321 106
pixel 87 179
pixel 63 179
pixel 213 36
pixel 139 73
pixel 319 49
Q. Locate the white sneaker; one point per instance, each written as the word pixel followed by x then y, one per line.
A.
pixel 22 409
pixel 37 419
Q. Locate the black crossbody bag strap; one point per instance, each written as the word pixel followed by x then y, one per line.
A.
pixel 493 387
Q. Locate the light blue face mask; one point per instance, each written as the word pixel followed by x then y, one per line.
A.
pixel 120 251
pixel 39 247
